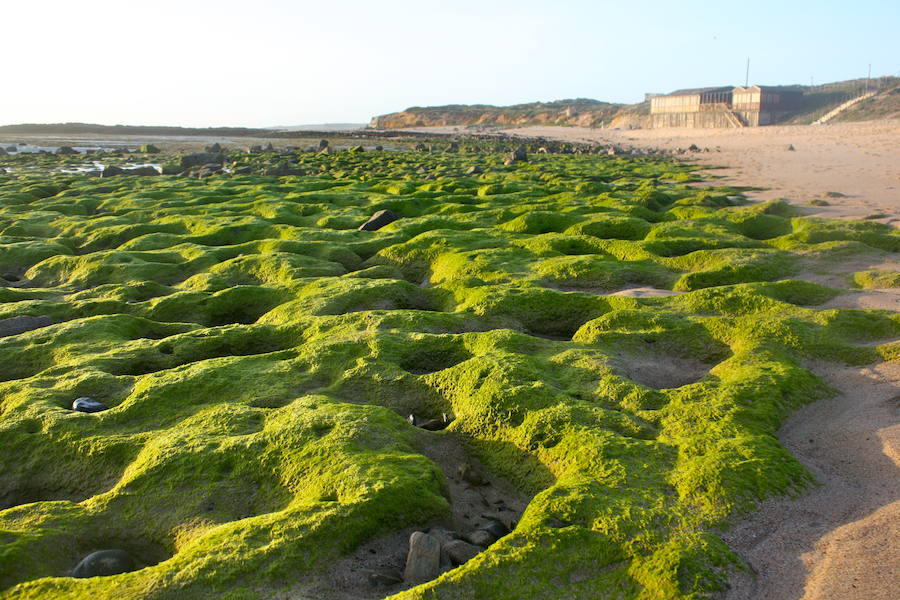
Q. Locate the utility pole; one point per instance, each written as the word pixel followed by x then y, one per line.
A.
pixel 747 76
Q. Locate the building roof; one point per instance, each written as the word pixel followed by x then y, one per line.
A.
pixel 696 91
pixel 778 89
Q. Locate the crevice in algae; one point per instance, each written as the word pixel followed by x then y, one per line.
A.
pixel 660 371
pixel 360 575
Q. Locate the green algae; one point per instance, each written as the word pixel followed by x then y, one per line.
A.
pixel 258 354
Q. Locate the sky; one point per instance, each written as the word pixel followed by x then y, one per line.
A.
pixel 259 63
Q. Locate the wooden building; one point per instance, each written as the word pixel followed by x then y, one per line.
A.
pixel 724 107
pixel 763 104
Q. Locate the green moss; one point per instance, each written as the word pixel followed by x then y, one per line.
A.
pixel 259 355
pixel 875 279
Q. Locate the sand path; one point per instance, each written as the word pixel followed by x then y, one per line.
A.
pixel 839 540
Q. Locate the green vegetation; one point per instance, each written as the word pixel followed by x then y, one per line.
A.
pixel 259 354
pixel 877 279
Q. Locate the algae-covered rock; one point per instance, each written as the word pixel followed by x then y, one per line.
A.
pixel 262 355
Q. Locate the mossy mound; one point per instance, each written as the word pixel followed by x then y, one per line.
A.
pixel 259 355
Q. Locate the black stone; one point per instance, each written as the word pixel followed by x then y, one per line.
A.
pixel 497 528
pixel 379 220
pixel 105 562
pixel 200 158
pixel 146 171
pixel 22 324
pixel 111 171
pixel 88 405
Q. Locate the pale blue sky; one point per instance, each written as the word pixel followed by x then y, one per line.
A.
pixel 276 62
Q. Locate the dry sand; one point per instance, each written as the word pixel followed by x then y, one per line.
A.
pixel 841 539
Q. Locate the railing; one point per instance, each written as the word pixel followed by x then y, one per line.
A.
pixel 841 108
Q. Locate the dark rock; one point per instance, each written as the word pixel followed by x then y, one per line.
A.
pixel 11 149
pixel 384 577
pixel 420 147
pixel 253 149
pixel 504 516
pixel 693 148
pixel 200 158
pixel 105 562
pixel 146 171
pixel 206 171
pixel 453 148
pixel 423 563
pixel 379 148
pixel 471 474
pixel 461 552
pixel 216 148
pixel 379 220
pixel 519 155
pixel 149 149
pixel 242 170
pixel 476 170
pixel 444 537
pixel 323 144
pixel 112 171
pixel 12 277
pixel 88 405
pixel 435 424
pixel 2 152
pixel 22 324
pixel 66 150
pixel 279 170
pixel 270 147
pixel 496 528
pixel 791 148
pixel 481 537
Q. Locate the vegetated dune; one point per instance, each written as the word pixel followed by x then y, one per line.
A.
pixel 581 112
pixel 289 397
